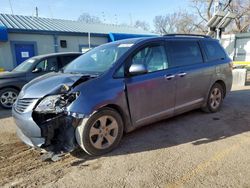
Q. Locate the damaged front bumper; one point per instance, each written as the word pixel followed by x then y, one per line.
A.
pixel 27 129
pixel 58 131
pixel 51 132
pixel 46 121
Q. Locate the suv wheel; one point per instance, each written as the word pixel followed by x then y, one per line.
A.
pixel 101 133
pixel 8 97
pixel 215 99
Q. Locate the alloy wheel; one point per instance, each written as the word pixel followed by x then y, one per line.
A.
pixel 103 132
pixel 215 98
pixel 8 98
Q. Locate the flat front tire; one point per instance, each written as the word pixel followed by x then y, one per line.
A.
pixel 215 99
pixel 101 133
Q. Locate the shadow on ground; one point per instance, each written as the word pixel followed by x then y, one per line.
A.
pixel 194 127
pixel 4 113
pixel 20 164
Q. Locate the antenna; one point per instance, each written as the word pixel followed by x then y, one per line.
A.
pixel 11 7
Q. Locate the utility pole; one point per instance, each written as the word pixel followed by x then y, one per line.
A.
pixel 50 11
pixel 11 7
pixel 116 19
pixel 104 17
pixel 36 11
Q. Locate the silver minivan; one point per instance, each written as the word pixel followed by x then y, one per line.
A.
pixel 120 86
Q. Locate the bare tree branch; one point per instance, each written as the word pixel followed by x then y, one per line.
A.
pixel 87 18
pixel 227 5
pixel 209 9
pixel 185 22
pixel 199 12
pixel 178 22
pixel 142 25
pixel 245 27
pixel 240 7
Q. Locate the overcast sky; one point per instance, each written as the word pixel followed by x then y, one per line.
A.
pixel 112 11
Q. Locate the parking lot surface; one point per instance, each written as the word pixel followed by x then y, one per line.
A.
pixel 195 149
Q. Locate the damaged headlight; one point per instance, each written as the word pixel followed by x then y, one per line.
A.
pixel 55 103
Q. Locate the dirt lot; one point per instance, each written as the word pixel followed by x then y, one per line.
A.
pixel 192 150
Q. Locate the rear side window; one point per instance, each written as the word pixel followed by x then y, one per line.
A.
pixel 184 53
pixel 66 59
pixel 214 50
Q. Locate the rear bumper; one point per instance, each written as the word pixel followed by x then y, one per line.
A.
pixel 27 130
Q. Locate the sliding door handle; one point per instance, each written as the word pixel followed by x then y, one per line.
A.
pixel 169 77
pixel 182 74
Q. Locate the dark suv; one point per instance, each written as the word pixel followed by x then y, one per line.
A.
pixel 12 82
pixel 120 86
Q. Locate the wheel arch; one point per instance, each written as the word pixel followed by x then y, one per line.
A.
pixel 12 87
pixel 126 122
pixel 218 81
pixel 80 133
pixel 222 83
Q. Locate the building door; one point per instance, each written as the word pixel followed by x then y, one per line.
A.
pixel 23 52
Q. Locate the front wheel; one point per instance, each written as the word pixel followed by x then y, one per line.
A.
pixel 8 97
pixel 215 99
pixel 101 133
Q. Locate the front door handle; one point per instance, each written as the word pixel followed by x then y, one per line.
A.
pixel 169 77
pixel 182 74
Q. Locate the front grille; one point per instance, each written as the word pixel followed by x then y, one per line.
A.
pixel 23 104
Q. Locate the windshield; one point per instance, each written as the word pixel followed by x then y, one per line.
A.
pixel 97 60
pixel 25 66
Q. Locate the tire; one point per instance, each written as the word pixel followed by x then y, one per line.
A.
pixel 7 97
pixel 215 99
pixel 101 133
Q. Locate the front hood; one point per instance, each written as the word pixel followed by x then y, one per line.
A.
pixel 6 75
pixel 50 83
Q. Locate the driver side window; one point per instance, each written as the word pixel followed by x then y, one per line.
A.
pixel 153 57
pixel 48 65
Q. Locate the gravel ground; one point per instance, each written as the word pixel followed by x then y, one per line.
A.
pixel 192 150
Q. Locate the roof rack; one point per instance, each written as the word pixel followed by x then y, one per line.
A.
pixel 189 35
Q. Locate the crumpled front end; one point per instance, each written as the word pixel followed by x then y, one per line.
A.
pixel 57 125
pixel 58 131
pixel 46 122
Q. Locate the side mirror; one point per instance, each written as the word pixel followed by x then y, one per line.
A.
pixel 37 70
pixel 137 69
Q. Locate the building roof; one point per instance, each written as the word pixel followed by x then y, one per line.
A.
pixel 30 23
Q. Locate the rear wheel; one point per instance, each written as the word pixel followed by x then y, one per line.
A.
pixel 215 99
pixel 8 97
pixel 101 133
